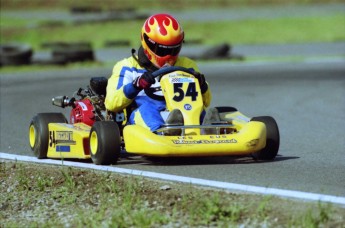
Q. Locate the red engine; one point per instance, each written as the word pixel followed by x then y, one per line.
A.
pixel 83 112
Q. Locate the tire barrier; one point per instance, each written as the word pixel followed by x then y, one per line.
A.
pixel 107 16
pixel 72 52
pixel 73 55
pixel 69 52
pixel 219 51
pixel 50 61
pixel 193 41
pixel 96 9
pixel 15 54
pixel 117 43
pixel 65 52
pixel 85 9
pixel 61 53
pixel 57 44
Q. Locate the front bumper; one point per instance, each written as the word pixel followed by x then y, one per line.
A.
pixel 251 138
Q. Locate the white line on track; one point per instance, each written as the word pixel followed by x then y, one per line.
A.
pixel 196 181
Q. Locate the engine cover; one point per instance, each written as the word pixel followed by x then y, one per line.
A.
pixel 83 112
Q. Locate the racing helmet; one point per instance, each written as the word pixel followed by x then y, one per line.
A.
pixel 161 39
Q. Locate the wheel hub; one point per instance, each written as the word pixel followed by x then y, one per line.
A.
pixel 32 136
pixel 93 142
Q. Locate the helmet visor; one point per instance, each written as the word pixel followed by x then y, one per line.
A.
pixel 161 49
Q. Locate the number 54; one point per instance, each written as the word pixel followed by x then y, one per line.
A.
pixel 180 94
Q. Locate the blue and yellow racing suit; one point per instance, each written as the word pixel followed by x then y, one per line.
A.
pixel 121 93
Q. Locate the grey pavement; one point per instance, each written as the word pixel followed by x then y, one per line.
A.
pixel 305 49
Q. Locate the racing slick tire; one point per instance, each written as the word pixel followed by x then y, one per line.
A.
pixel 105 143
pixel 272 139
pixel 39 132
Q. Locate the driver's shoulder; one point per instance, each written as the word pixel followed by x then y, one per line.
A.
pixel 128 62
pixel 186 62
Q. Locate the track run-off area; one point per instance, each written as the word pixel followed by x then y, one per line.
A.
pixel 231 187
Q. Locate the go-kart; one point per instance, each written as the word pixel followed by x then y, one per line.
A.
pixel 94 132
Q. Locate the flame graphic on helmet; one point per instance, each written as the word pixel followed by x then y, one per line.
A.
pixel 163 29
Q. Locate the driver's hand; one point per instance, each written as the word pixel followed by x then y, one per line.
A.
pixel 202 81
pixel 144 81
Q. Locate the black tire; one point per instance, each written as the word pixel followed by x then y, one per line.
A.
pixel 85 9
pixel 73 52
pixel 117 43
pixel 222 109
pixel 217 52
pixel 105 143
pixel 73 55
pixel 51 61
pixel 15 54
pixel 272 140
pixel 67 45
pixel 39 133
pixel 193 41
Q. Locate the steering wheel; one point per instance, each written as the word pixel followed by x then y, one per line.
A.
pixel 159 73
pixel 167 70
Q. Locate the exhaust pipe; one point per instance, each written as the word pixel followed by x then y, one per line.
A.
pixel 62 101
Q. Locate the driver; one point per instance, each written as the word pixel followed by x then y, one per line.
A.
pixel 132 82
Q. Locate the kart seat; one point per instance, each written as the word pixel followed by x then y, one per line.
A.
pixel 99 85
pixel 212 115
pixel 175 118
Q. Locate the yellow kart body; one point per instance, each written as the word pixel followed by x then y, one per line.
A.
pixel 251 139
pixel 243 137
pixel 69 141
pixel 103 139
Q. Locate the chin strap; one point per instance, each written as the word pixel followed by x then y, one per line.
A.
pixel 134 56
pixel 143 61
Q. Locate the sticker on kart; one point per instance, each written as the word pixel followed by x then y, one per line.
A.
pixel 181 80
pixel 205 141
pixel 56 137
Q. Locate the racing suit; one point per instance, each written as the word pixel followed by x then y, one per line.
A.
pixel 121 93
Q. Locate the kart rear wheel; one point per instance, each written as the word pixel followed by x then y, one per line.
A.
pixel 39 132
pixel 272 140
pixel 105 142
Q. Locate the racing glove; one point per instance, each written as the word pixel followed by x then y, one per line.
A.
pixel 202 81
pixel 144 81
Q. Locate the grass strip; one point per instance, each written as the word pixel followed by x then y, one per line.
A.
pixel 250 31
pixel 50 196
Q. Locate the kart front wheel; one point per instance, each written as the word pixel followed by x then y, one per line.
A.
pixel 105 143
pixel 39 132
pixel 270 151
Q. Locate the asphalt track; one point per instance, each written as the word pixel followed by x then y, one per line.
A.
pixel 307 100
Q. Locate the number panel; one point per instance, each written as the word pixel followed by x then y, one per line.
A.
pixel 180 93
